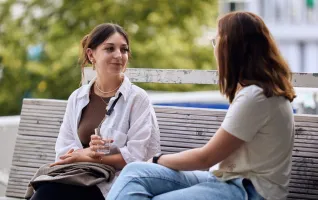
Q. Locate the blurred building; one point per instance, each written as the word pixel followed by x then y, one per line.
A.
pixel 293 23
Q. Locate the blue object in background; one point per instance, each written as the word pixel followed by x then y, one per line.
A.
pixel 197 105
pixel 200 105
pixel 35 52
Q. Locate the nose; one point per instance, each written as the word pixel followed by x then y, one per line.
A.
pixel 117 53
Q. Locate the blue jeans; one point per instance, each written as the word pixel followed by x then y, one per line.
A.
pixel 141 181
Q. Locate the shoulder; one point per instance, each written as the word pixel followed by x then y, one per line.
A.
pixel 79 92
pixel 251 98
pixel 137 97
pixel 251 93
pixel 139 93
pixel 132 92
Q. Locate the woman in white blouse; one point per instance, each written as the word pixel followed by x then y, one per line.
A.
pixel 111 106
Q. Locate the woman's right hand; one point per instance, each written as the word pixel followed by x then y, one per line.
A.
pixel 79 155
pixel 96 144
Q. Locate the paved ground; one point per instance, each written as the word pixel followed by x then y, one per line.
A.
pixel 8 132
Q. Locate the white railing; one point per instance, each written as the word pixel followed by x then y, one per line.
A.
pixel 193 76
pixel 306 87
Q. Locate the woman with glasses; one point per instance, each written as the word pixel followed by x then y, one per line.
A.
pixel 254 144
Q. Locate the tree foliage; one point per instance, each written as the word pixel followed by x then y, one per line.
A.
pixel 163 34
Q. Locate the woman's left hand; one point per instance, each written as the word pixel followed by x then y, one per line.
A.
pixel 80 155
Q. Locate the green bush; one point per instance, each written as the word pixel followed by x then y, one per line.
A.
pixel 163 34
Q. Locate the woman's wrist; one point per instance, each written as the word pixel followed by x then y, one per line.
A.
pixel 156 158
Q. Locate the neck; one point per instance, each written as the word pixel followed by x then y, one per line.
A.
pixel 107 84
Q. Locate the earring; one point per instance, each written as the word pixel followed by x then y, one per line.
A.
pixel 93 64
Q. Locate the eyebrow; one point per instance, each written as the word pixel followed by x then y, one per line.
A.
pixel 114 44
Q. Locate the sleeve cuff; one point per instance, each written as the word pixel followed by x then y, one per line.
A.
pixel 233 132
pixel 128 157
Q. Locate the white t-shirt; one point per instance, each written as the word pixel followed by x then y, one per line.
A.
pixel 267 127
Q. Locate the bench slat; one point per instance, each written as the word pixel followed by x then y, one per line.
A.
pixel 45 134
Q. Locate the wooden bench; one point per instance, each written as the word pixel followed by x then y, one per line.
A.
pixel 181 129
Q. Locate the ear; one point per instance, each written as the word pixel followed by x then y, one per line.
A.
pixel 90 55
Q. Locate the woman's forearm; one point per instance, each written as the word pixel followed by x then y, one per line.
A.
pixel 220 146
pixel 185 161
pixel 115 160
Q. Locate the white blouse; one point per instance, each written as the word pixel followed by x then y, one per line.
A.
pixel 132 125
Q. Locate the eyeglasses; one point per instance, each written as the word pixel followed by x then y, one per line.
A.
pixel 213 42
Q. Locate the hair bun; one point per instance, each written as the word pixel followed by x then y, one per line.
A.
pixel 84 41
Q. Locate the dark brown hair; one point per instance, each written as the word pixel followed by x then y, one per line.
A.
pixel 96 37
pixel 247 55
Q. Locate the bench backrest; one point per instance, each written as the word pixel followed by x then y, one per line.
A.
pixel 190 76
pixel 181 129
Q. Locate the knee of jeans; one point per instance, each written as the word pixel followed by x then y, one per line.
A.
pixel 135 168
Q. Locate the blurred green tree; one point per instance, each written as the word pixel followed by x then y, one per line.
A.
pixel 40 42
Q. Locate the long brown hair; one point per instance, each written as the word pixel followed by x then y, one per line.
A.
pixel 96 37
pixel 248 55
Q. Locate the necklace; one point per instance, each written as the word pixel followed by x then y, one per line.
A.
pixel 106 103
pixel 111 90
